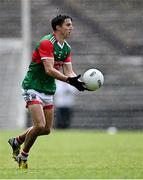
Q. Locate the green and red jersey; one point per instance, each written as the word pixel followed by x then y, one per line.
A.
pixel 36 77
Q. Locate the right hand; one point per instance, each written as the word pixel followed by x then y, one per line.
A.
pixel 74 81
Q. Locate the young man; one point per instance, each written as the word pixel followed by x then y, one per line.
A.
pixel 39 86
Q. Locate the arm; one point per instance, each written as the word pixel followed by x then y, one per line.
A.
pixel 73 79
pixel 69 76
pixel 50 70
pixel 46 52
pixel 68 70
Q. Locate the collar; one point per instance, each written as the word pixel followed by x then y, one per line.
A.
pixel 61 45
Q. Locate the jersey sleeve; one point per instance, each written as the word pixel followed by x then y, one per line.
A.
pixel 46 50
pixel 68 59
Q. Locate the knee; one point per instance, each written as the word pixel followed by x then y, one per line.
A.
pixel 47 131
pixel 39 129
pixel 42 130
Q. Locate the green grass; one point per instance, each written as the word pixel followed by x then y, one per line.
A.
pixel 79 155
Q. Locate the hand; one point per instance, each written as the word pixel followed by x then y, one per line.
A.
pixel 74 81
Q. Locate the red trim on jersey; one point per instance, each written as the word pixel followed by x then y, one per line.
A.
pixel 50 106
pixel 33 102
pixel 68 59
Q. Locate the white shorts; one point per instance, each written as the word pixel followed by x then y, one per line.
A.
pixel 32 96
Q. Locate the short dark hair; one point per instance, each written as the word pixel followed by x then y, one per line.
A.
pixel 59 20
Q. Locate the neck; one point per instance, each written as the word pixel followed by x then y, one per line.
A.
pixel 59 37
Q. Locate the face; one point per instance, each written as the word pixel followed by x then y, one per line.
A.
pixel 66 28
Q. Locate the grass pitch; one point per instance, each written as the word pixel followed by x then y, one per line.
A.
pixel 77 154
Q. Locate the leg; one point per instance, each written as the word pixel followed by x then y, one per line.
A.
pixel 42 123
pixel 38 118
pixel 38 128
pixel 49 116
pixel 49 113
pixel 21 138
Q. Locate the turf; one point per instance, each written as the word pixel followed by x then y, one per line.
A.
pixel 77 154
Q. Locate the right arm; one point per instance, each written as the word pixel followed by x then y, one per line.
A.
pixel 46 51
pixel 51 71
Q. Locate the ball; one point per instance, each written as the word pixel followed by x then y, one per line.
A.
pixel 93 79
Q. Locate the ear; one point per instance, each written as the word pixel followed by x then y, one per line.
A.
pixel 58 27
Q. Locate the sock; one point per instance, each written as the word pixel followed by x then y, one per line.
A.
pixel 19 140
pixel 24 155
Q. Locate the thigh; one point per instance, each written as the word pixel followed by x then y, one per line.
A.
pixel 49 116
pixel 37 114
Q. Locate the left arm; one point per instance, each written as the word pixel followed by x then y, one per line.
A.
pixel 68 70
pixel 73 79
